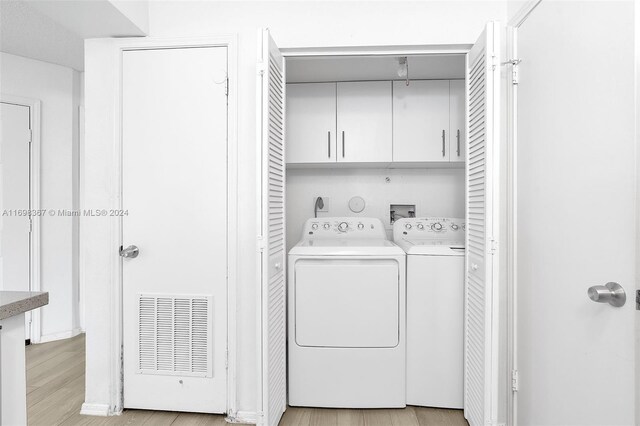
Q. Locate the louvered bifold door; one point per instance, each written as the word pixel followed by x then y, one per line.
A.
pixel 480 358
pixel 271 87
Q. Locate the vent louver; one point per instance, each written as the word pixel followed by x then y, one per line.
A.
pixel 174 335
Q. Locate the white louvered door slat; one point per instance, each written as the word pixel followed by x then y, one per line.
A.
pixel 481 286
pixel 271 96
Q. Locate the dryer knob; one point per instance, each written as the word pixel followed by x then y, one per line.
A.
pixel 437 226
pixel 454 226
pixel 314 226
pixel 360 226
pixel 343 227
pixel 326 226
pixel 408 226
pixel 420 226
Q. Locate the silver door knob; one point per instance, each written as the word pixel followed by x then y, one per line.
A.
pixel 130 252
pixel 611 293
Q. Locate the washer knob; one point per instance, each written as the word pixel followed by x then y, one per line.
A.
pixel 408 226
pixel 326 226
pixel 454 226
pixel 420 226
pixel 314 226
pixel 343 226
pixel 436 226
pixel 360 226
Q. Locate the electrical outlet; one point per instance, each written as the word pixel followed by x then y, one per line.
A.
pixel 325 208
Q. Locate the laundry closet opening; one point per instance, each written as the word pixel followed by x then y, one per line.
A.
pixel 375 143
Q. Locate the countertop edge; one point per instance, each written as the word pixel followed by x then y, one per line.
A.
pixel 24 305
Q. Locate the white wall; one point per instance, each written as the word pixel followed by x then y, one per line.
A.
pixel 435 192
pixel 293 24
pixel 58 88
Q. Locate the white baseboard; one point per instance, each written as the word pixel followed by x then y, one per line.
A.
pixel 244 417
pixel 95 410
pixel 59 336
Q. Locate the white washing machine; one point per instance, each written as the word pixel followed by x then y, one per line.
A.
pixel 435 309
pixel 346 290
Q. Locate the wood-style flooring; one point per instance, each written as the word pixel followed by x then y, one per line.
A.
pixel 55 392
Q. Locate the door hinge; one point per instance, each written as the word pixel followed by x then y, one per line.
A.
pixel 30 225
pixel 29 135
pixel 638 300
pixel 226 359
pixel 514 69
pixel 514 380
pixel 226 87
pixel 261 243
pixel 493 246
pixel 262 68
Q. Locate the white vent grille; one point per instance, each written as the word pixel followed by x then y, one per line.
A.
pixel 174 335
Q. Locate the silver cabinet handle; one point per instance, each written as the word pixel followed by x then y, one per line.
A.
pixel 130 252
pixel 458 137
pixel 329 144
pixel 443 143
pixel 343 144
pixel 611 293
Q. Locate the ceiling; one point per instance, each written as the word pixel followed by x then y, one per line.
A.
pixel 25 31
pixel 355 68
pixel 54 31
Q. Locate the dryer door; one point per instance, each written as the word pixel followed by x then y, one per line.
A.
pixel 347 303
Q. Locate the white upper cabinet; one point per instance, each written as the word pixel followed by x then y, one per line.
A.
pixel 311 123
pixel 457 126
pixel 364 111
pixel 421 121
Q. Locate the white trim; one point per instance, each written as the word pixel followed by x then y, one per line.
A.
pixel 59 336
pixel 524 12
pixel 114 354
pixel 511 236
pixel 445 49
pixel 95 410
pixel 35 284
pixel 250 417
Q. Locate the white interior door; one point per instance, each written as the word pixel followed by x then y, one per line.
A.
pixel 577 214
pixel 174 138
pixel 14 159
pixel 481 285
pixel 271 125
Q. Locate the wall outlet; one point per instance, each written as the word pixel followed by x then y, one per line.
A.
pixel 325 208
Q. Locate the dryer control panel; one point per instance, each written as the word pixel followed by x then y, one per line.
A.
pixel 436 228
pixel 344 227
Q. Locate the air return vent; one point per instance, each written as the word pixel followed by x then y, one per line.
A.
pixel 174 335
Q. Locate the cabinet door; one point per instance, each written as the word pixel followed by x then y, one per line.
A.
pixel 364 122
pixel 421 121
pixel 311 123
pixel 457 121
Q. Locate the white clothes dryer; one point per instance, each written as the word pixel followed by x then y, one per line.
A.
pixel 435 309
pixel 346 324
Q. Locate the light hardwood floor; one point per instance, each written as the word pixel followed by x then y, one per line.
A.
pixel 55 392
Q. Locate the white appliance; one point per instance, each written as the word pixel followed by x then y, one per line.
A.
pixel 346 316
pixel 435 309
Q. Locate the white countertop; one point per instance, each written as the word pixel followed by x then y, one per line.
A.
pixel 14 303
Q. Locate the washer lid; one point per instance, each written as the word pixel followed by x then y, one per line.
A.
pixel 432 247
pixel 346 247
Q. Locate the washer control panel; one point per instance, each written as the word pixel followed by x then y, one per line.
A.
pixel 436 228
pixel 344 227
